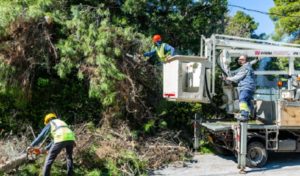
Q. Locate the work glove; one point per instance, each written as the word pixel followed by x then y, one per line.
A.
pixel 28 148
pixel 223 77
pixel 44 151
pixel 168 58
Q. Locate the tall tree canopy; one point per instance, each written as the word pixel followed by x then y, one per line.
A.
pixel 182 22
pixel 77 51
pixel 241 24
pixel 286 15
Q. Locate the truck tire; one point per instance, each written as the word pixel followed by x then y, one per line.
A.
pixel 257 154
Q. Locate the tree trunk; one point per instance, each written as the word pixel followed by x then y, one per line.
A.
pixel 14 163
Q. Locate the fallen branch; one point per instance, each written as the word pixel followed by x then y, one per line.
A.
pixel 13 164
pixel 168 146
pixel 31 130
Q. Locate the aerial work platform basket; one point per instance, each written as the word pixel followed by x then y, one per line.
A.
pixel 183 78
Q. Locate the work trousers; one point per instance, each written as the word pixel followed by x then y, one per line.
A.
pixel 54 151
pixel 245 102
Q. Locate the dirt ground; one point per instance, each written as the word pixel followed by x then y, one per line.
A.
pixel 279 164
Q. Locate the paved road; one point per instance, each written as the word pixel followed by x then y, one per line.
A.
pixel 286 164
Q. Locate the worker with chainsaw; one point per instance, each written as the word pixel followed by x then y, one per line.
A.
pixel 160 51
pixel 246 87
pixel 63 137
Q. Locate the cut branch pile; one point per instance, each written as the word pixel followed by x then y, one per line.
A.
pixel 164 148
pixel 96 146
pixel 12 153
pixel 113 144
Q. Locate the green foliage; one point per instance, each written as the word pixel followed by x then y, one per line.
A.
pixel 90 126
pixel 128 159
pixel 94 172
pixel 241 24
pixel 278 64
pixel 134 134
pixel 43 82
pixel 135 163
pixel 285 14
pixel 174 115
pixel 205 147
pixel 93 48
pixel 297 63
pixel 27 9
pixel 163 124
pixel 6 71
pixel 149 125
pixel 112 168
pixel 90 39
pixel 77 72
pixel 180 22
pixel 30 169
pixel 9 10
pixel 57 168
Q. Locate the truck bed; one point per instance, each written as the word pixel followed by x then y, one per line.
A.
pixel 225 126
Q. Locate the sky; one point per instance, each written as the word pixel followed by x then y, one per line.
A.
pixel 266 25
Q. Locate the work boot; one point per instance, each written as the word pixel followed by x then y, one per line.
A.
pixel 243 117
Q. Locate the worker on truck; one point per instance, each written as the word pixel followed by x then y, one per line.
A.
pixel 63 137
pixel 246 87
pixel 160 51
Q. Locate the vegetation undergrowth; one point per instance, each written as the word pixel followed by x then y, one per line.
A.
pixel 82 60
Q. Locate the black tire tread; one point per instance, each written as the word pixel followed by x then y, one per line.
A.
pixel 257 144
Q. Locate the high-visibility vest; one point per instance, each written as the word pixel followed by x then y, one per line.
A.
pixel 160 51
pixel 60 131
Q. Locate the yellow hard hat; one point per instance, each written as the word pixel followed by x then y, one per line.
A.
pixel 48 117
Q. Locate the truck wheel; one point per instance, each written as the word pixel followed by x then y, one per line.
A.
pixel 256 155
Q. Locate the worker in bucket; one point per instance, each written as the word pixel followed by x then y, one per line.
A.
pixel 160 51
pixel 63 137
pixel 246 87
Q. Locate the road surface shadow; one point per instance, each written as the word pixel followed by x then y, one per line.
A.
pixel 278 161
pixel 275 161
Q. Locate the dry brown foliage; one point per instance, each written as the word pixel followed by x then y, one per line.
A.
pixel 26 47
pixel 164 148
pixel 94 146
pixel 141 90
pixel 12 146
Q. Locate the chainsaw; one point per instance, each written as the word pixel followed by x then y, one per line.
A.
pixel 34 152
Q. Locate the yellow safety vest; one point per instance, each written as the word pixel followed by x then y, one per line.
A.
pixel 60 131
pixel 160 51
